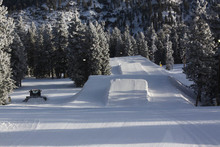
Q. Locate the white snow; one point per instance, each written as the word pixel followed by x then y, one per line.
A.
pixel 178 74
pixel 128 92
pixel 138 105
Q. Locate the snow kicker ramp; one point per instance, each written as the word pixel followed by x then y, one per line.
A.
pixel 112 91
pixel 94 92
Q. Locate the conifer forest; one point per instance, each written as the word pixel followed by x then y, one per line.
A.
pixel 77 38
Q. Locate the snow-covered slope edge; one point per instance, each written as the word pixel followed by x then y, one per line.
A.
pixel 191 95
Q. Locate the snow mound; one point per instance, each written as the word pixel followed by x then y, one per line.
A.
pixel 112 91
pixel 128 92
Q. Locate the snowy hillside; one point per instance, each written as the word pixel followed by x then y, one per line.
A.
pixel 138 105
pixel 137 15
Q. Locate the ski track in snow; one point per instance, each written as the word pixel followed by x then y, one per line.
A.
pixel 135 106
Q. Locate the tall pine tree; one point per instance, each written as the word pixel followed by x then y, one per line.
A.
pixel 116 43
pixel 200 66
pixel 30 47
pixel 6 29
pixel 128 45
pixel 18 60
pixel 152 39
pixel 142 45
pixel 77 52
pixel 60 42
pixel 49 50
pixel 169 53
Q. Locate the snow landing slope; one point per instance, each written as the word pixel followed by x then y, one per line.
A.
pixel 135 81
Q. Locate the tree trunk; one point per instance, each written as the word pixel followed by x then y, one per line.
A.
pixel 20 83
pixel 198 95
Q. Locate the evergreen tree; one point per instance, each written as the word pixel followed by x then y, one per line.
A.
pixel 183 32
pixel 153 47
pixel 6 83
pixel 18 60
pixel 116 43
pixel 41 69
pixel 60 42
pixel 94 51
pixel 98 51
pixel 214 18
pixel 152 39
pixel 128 46
pixel 30 47
pixel 20 29
pixel 169 53
pixel 200 66
pixel 160 53
pixel 198 8
pixel 161 42
pixel 174 37
pixel 142 45
pixel 6 29
pixel 77 52
pixel 49 50
pixel 134 44
pixel 104 44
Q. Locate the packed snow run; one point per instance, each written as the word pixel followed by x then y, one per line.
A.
pixel 140 104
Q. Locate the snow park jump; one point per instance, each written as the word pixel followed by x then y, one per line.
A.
pixel 131 84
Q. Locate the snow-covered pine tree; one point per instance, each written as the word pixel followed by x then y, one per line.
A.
pixel 60 41
pixel 160 54
pixel 41 69
pixel 49 52
pixel 77 52
pixel 200 66
pixel 6 29
pixel 128 46
pixel 198 7
pixel 6 83
pixel 183 31
pixel 174 37
pixel 104 45
pixel 213 17
pixel 169 53
pixel 20 29
pixel 30 47
pixel 94 51
pixel 153 47
pixel 18 60
pixel 134 44
pixel 142 45
pixel 116 43
pixel 152 39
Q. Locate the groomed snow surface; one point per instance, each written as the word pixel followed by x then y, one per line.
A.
pixel 140 104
